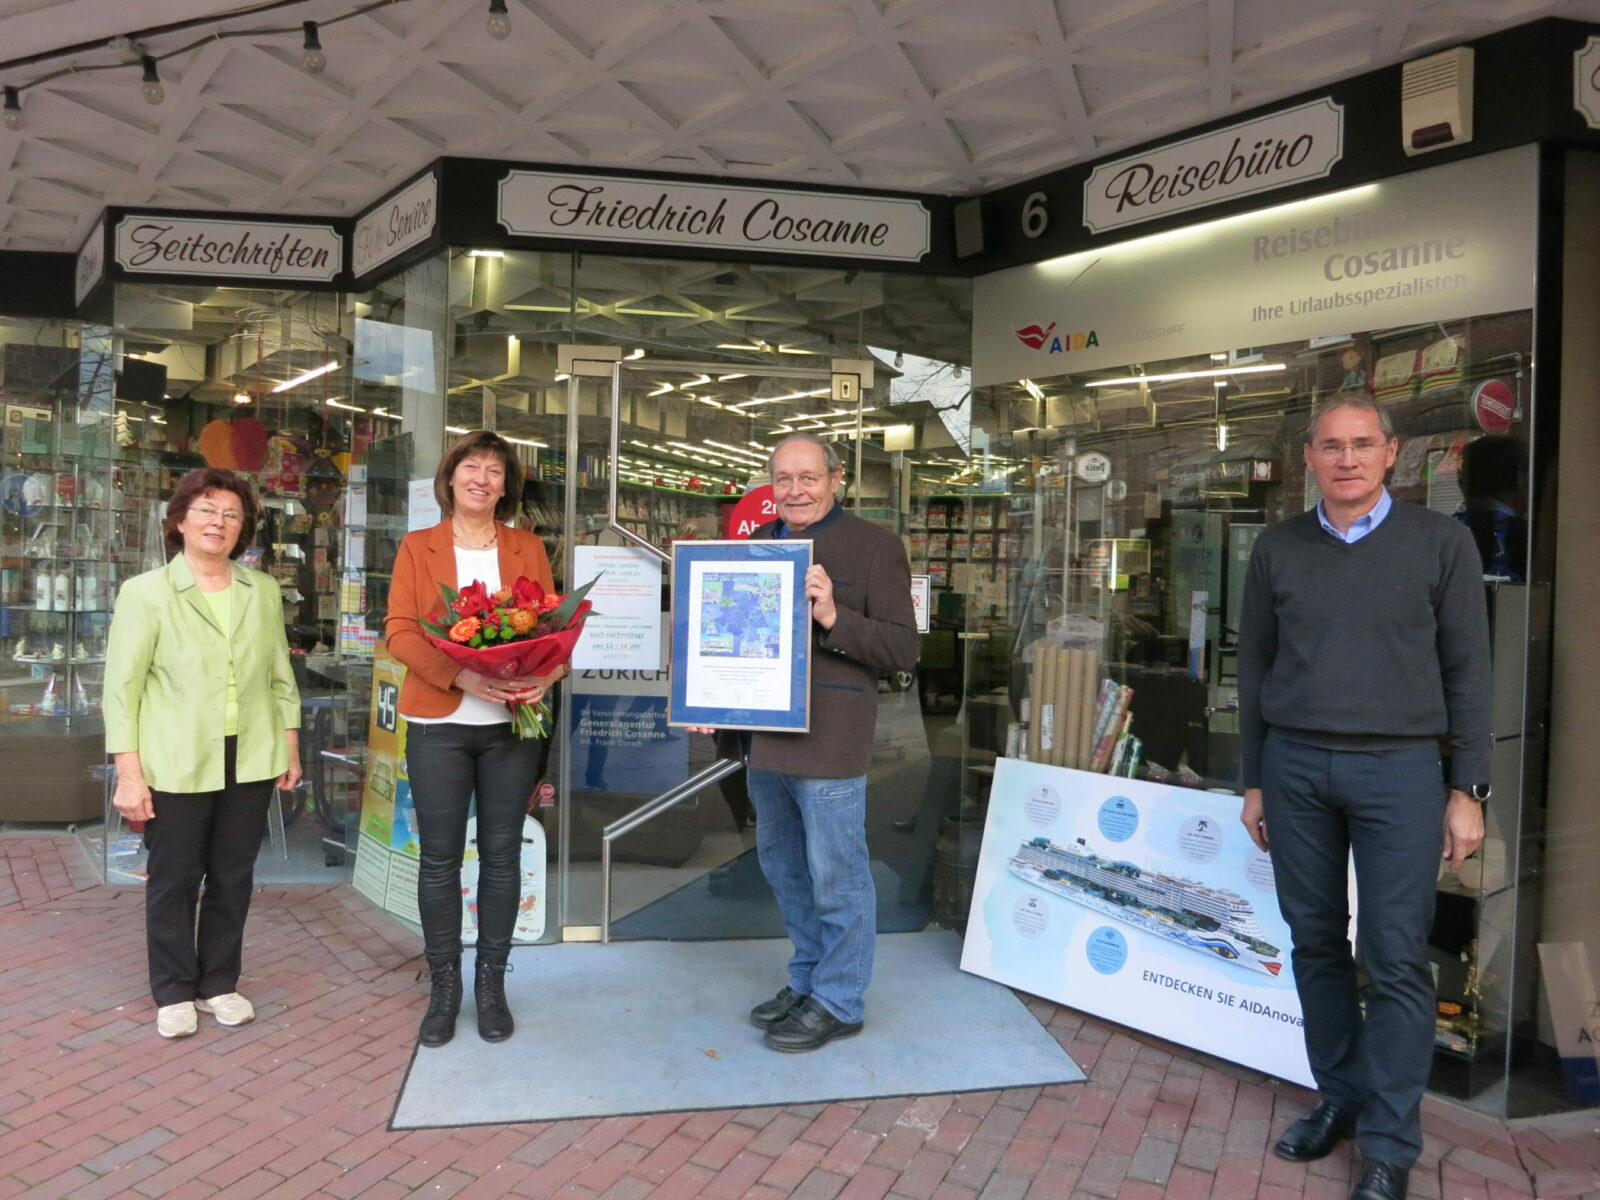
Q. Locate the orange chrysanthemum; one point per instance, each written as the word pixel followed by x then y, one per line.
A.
pixel 465 629
pixel 521 620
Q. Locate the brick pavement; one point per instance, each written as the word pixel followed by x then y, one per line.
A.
pixel 93 1105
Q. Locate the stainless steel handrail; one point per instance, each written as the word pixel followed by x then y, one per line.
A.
pixel 628 822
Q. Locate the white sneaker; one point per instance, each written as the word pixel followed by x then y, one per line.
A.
pixel 228 1009
pixel 176 1020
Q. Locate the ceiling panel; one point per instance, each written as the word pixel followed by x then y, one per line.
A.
pixel 939 96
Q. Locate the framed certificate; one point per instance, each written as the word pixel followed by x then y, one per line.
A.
pixel 741 635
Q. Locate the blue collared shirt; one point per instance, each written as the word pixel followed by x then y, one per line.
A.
pixel 1361 526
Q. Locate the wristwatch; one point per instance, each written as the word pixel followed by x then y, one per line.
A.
pixel 1479 792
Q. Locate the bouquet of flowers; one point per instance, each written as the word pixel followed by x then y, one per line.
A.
pixel 519 630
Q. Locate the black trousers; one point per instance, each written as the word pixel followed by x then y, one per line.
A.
pixel 1387 808
pixel 449 764
pixel 195 838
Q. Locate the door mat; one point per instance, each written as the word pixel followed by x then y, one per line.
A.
pixel 646 1027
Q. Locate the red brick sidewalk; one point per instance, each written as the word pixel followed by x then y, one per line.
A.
pixel 93 1104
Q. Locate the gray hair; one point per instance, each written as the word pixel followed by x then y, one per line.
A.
pixel 829 454
pixel 1362 403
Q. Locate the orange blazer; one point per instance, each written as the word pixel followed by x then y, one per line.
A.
pixel 426 559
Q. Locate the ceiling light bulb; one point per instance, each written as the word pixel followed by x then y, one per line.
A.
pixel 153 92
pixel 499 20
pixel 314 60
pixel 241 397
pixel 13 110
pixel 899 358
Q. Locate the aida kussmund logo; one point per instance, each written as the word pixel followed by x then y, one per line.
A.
pixel 1045 338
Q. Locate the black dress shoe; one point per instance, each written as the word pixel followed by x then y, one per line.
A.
pixel 809 1027
pixel 1315 1135
pixel 1381 1181
pixel 769 1012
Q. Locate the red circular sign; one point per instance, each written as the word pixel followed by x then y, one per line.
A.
pixel 755 508
pixel 1494 406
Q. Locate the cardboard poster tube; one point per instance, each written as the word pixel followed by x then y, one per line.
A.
pixel 1091 698
pixel 1072 702
pixel 1044 666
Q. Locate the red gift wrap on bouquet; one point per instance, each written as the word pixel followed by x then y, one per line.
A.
pixel 518 631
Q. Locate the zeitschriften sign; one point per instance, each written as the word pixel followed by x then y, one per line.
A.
pixel 1286 147
pixel 713 216
pixel 161 245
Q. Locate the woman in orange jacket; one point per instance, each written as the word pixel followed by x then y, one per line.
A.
pixel 459 741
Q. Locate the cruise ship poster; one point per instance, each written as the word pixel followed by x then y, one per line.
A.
pixel 1141 903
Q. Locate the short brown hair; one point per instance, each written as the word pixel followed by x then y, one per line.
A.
pixel 196 484
pixel 482 441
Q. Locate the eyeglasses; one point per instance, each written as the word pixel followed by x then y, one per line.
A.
pixel 788 481
pixel 1333 451
pixel 208 514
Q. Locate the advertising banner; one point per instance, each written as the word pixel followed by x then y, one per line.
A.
pixel 621 741
pixel 1437 245
pixel 1141 903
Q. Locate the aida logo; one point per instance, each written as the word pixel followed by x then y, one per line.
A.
pixel 1051 342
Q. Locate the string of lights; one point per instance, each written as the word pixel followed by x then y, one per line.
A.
pixel 135 54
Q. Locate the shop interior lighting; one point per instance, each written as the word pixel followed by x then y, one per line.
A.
pixel 694 383
pixel 486 253
pixel 660 391
pixel 1168 376
pixel 1219 358
pixel 1033 389
pixel 13 110
pixel 242 397
pixel 731 378
pixel 785 396
pixel 313 59
pixel 752 347
pixel 151 87
pixel 1222 435
pixel 331 365
pixel 499 20
pixel 636 352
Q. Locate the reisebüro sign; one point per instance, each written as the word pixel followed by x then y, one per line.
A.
pixel 161 245
pixel 1287 147
pixel 713 216
pixel 393 226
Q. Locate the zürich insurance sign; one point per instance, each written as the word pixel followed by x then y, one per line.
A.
pixel 713 216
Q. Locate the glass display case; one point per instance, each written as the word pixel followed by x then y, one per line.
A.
pixel 63 537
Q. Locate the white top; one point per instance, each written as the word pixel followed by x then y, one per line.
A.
pixel 481 566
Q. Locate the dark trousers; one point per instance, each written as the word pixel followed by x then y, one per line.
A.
pixel 196 837
pixel 1387 808
pixel 449 764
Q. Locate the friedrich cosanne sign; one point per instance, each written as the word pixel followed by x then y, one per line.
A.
pixel 157 245
pixel 713 216
pixel 1287 147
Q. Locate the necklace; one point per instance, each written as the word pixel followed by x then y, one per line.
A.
pixel 466 545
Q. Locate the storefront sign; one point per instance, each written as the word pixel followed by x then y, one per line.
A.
pixel 1093 467
pixel 392 227
pixel 713 216
pixel 755 508
pixel 1454 241
pixel 91 266
pixel 157 245
pixel 1494 406
pixel 1586 82
pixel 1087 893
pixel 621 741
pixel 1287 147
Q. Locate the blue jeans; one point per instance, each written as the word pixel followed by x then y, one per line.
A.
pixel 811 837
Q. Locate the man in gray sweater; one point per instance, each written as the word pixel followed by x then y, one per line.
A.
pixel 810 789
pixel 1364 646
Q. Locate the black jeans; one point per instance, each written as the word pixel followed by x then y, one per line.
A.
pixel 1387 809
pixel 202 836
pixel 449 763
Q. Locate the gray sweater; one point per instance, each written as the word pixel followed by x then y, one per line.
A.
pixel 875 630
pixel 1368 644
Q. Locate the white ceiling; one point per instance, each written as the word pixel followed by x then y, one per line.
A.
pixel 939 96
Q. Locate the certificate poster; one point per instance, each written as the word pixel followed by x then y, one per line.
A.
pixel 624 631
pixel 741 635
pixel 1144 904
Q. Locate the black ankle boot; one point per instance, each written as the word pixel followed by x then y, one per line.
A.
pixel 444 1002
pixel 489 990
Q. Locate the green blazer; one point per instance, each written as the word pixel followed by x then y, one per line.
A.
pixel 166 679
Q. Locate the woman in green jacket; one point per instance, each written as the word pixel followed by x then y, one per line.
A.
pixel 202 720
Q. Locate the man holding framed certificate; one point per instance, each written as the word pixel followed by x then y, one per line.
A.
pixel 810 788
